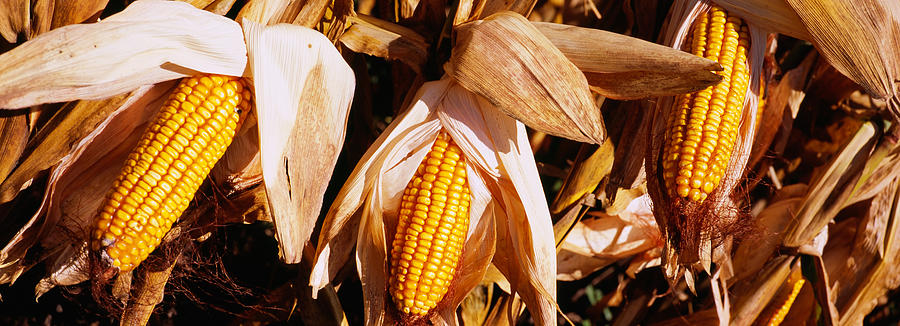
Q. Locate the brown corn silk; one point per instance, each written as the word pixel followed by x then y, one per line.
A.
pixel 431 231
pixel 174 156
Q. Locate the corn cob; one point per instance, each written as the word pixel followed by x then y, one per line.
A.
pixel 703 128
pixel 786 303
pixel 173 157
pixel 432 227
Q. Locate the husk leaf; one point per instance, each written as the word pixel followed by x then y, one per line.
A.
pixel 263 12
pixel 73 12
pixel 13 137
pixel 137 49
pixel 383 39
pixel 509 62
pixel 76 189
pixel 775 15
pixel 61 134
pixel 858 39
pixel 303 90
pixel 15 19
pixel 623 67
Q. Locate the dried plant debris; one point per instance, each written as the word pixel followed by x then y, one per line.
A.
pixel 473 162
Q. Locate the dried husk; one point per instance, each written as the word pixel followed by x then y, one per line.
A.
pixel 219 7
pixel 15 19
pixel 383 39
pixel 696 229
pixel 860 39
pixel 776 15
pixel 61 134
pixel 623 67
pixel 751 297
pixel 75 191
pixel 13 137
pixel 505 59
pixel 74 12
pixel 602 239
pixel 263 11
pixel 63 65
pixel 303 89
pixel 507 205
pixel 592 164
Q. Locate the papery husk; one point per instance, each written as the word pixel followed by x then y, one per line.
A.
pixel 75 191
pixel 219 7
pixel 604 239
pixel 303 89
pixel 15 19
pixel 505 59
pixel 74 12
pixel 59 136
pixel 776 15
pixel 623 67
pixel 13 137
pixel 861 39
pixel 383 39
pixel 750 298
pixel 378 181
pixel 693 239
pixel 136 49
pixel 864 265
pixel 264 12
pixel 752 254
pixel 628 169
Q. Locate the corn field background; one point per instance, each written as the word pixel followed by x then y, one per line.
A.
pixel 813 193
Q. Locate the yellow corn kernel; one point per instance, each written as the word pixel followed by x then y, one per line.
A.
pixel 703 127
pixel 786 304
pixel 431 231
pixel 154 187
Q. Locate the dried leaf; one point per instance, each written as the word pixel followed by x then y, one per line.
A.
pixel 592 164
pixel 379 38
pixel 856 38
pixel 75 191
pixel 507 61
pixel 137 49
pixel 13 137
pixel 752 296
pixel 14 19
pixel 303 90
pixel 263 11
pixel 74 12
pixel 624 67
pixel 219 7
pixel 774 15
pixel 61 134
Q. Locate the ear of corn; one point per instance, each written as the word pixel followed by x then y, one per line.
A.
pixel 432 227
pixel 163 172
pixel 703 128
pixel 786 303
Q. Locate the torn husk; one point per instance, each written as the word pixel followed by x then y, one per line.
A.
pixel 303 93
pixel 694 228
pixel 505 59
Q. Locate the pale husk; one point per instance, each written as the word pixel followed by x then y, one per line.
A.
pixel 75 191
pixel 624 67
pixel 303 89
pixel 505 59
pixel 502 178
pixel 604 239
pixel 136 49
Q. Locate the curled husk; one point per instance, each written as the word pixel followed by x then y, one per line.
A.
pixel 508 213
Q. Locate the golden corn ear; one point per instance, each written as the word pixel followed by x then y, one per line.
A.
pixel 785 307
pixel 173 157
pixel 432 227
pixel 703 127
